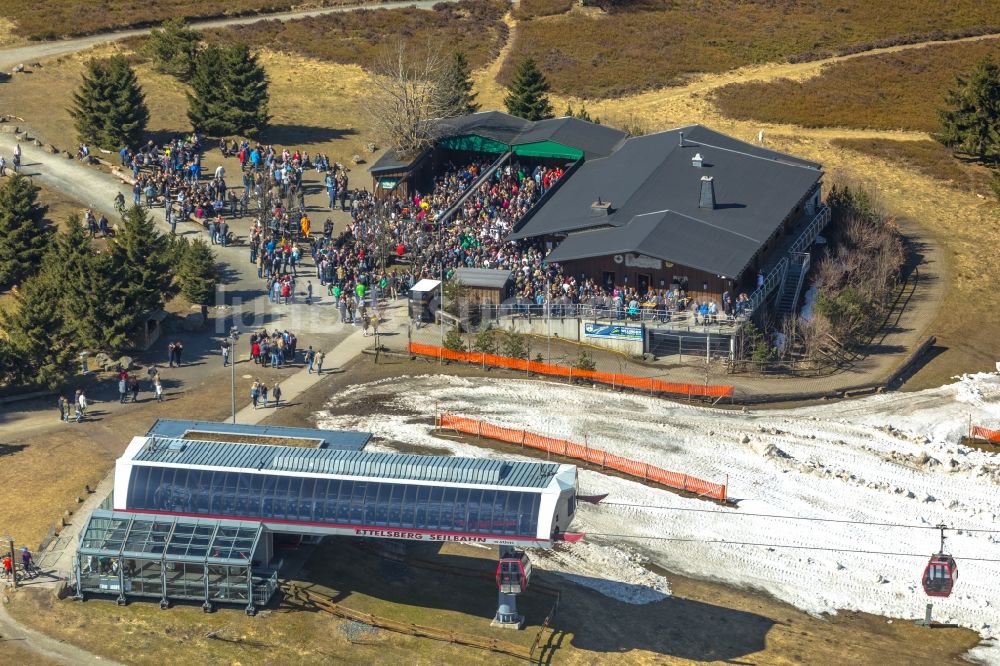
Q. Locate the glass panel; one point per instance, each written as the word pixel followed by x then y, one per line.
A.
pixel 306 508
pixel 472 509
pixel 294 490
pixel 358 502
pixel 267 491
pixel 434 508
pixel 485 508
pixel 320 499
pixel 137 487
pixel 446 520
pixel 344 502
pixel 381 505
pixel 408 505
pixel 421 510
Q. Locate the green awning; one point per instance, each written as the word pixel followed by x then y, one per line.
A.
pixel 548 149
pixel 474 143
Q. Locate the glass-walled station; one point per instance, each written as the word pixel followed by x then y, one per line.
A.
pixel 173 558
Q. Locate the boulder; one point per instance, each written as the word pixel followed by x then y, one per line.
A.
pixel 103 361
pixel 37 142
pixel 125 362
pixel 52 149
pixel 193 321
pixel 10 129
pixel 357 159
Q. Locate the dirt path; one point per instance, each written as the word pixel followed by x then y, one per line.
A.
pixel 44 646
pixel 37 50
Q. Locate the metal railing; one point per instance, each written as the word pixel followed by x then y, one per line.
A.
pixel 808 235
pixel 590 312
pixel 455 207
pixel 804 259
pixel 776 278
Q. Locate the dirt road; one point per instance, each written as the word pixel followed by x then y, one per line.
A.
pixel 38 50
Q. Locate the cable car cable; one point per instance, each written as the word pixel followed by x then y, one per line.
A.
pixel 742 514
pixel 780 545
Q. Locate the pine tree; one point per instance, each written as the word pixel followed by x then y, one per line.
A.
pixel 109 108
pixel 198 274
pixel 44 353
pixel 173 48
pixel 246 91
pixel 526 95
pixel 455 87
pixel 22 235
pixel 142 255
pixel 207 99
pixel 100 312
pixel 971 121
pixel 228 92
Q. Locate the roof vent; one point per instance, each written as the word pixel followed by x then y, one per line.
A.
pixel 600 208
pixel 680 139
pixel 707 199
pixel 696 161
pixel 177 445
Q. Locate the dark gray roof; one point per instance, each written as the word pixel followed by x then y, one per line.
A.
pixel 755 190
pixel 344 440
pixel 482 277
pixel 495 125
pixel 665 235
pixel 594 140
pixel 260 457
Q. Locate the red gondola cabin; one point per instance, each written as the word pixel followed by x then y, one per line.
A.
pixel 513 573
pixel 940 575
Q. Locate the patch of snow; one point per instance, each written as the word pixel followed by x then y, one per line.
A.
pixel 808 300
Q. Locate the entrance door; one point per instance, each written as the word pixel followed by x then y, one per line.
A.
pixel 643 283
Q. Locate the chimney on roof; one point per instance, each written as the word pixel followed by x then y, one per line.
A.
pixel 680 139
pixel 600 208
pixel 707 199
pixel 696 161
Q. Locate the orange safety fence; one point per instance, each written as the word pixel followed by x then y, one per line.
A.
pixel 563 447
pixel 986 433
pixel 650 384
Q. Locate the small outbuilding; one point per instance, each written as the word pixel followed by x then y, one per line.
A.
pixel 423 300
pixel 485 286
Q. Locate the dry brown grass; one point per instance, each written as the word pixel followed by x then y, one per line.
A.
pixel 927 157
pixel 529 9
pixel 900 90
pixel 52 19
pixel 590 55
pixel 471 26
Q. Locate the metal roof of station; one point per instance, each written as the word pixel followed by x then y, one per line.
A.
pixel 133 535
pixel 389 466
pixel 344 440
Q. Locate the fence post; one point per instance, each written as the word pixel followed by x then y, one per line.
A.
pixel 680 348
pixel 479 429
pixel 613 377
pixel 570 381
pixel 685 483
pixel 645 473
pixel 708 348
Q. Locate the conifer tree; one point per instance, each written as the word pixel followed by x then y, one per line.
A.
pixel 455 87
pixel 971 121
pixel 228 92
pixel 109 108
pixel 526 95
pixel 41 349
pixel 22 235
pixel 142 255
pixel 246 91
pixel 197 273
pixel 100 311
pixel 173 48
pixel 207 99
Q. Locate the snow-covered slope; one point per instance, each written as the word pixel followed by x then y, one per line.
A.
pixel 889 458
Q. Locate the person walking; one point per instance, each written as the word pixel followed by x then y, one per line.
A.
pixel 26 561
pixel 158 388
pixel 122 389
pixel 263 393
pixel 225 353
pixel 309 293
pixel 178 348
pixel 276 394
pixel 63 404
pixel 254 393
pixel 310 358
pixel 133 385
pixel 81 405
pixel 320 355
pixel 171 353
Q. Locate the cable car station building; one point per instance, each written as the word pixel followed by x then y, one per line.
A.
pixel 194 519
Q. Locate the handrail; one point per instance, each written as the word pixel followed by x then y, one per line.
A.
pixel 776 276
pixel 454 208
pixel 812 230
pixel 804 257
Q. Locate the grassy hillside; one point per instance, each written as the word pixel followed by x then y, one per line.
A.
pixel 653 43
pixel 473 26
pixel 900 90
pixel 52 19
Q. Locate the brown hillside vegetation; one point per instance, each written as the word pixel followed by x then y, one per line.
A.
pixel 927 157
pixel 900 90
pixel 527 9
pixel 51 19
pixel 472 26
pixel 656 43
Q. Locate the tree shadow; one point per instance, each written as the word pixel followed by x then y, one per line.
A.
pixel 301 135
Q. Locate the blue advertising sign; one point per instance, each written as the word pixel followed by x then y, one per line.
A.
pixel 613 331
